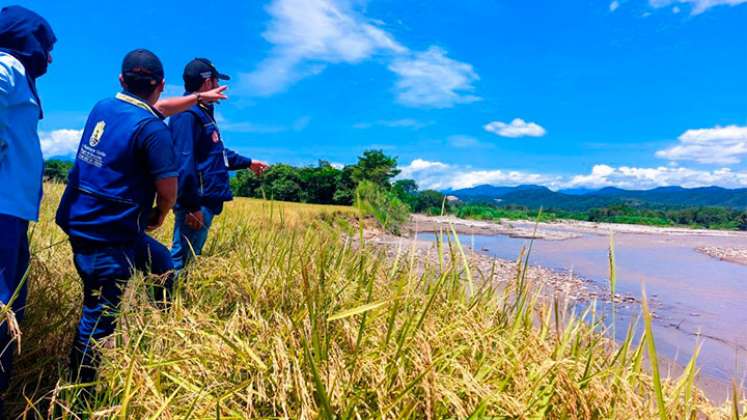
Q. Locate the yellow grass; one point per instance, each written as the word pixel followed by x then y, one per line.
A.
pixel 286 315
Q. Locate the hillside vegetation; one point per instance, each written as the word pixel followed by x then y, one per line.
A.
pixel 710 208
pixel 535 196
pixel 289 315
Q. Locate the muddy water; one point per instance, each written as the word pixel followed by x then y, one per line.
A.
pixel 691 293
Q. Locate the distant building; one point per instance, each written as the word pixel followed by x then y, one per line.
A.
pixel 452 198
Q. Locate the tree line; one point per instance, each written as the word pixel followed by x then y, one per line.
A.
pixel 324 183
pixel 371 179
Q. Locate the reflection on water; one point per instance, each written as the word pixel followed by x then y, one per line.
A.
pixel 692 292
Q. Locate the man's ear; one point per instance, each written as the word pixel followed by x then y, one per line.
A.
pixel 122 82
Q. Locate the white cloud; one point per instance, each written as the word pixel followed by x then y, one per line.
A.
pixel 516 128
pixel 60 143
pixel 614 5
pixel 719 145
pixel 646 178
pixel 308 34
pixel 439 175
pixel 698 6
pixel 430 79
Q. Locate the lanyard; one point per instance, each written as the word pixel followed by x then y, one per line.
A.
pixel 136 102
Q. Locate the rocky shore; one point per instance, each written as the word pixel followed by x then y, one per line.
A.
pixel 735 255
pixel 563 284
pixel 521 229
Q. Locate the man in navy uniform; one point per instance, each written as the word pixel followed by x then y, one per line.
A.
pixel 125 160
pixel 204 164
pixel 26 42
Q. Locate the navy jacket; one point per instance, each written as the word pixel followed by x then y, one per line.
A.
pixel 124 149
pixel 204 161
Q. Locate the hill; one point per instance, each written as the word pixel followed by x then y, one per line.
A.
pixel 534 196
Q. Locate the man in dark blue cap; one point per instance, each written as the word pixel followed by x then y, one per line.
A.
pixel 204 164
pixel 125 161
pixel 26 41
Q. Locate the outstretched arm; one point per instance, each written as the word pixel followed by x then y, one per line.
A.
pixel 236 162
pixel 171 106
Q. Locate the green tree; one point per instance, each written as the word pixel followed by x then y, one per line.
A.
pixel 345 192
pixel 282 182
pixel 383 205
pixel 56 170
pixel 376 167
pixel 246 184
pixel 320 183
pixel 429 201
pixel 406 190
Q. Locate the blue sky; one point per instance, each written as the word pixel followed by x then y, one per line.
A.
pixel 636 93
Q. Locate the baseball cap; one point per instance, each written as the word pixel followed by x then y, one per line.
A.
pixel 142 64
pixel 201 69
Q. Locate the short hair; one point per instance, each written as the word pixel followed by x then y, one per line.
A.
pixel 140 86
pixel 193 85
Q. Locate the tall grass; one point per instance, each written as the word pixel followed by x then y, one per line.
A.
pixel 287 314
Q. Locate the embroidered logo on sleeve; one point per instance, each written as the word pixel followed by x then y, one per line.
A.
pixel 98 132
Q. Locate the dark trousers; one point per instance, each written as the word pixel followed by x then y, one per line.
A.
pixel 14 261
pixel 105 271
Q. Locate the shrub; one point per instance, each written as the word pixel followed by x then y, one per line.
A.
pixel 383 205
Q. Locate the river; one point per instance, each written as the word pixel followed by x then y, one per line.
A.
pixel 691 293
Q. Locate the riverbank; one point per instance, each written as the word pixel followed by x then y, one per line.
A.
pixel 694 277
pixel 564 284
pixel 735 255
pixel 557 230
pixel 562 230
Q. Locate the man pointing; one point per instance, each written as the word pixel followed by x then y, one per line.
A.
pixel 204 164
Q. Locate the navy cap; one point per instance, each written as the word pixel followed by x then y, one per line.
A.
pixel 143 65
pixel 201 69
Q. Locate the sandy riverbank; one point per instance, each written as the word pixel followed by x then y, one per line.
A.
pixel 517 229
pixel 735 255
pixel 486 268
pixel 571 229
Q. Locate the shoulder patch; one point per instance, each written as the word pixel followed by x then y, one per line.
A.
pixel 98 132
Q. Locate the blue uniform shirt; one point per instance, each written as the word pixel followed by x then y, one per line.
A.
pixel 21 162
pixel 204 161
pixel 124 149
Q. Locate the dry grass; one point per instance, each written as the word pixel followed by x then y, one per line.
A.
pixel 287 316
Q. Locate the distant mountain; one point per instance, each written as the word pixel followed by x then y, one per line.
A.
pixel 578 191
pixel 534 196
pixel 491 192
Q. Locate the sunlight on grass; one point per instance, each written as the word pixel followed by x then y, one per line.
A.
pixel 288 314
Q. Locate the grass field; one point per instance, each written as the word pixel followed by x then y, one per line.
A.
pixel 287 316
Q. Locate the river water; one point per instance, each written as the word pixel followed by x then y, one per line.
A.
pixel 696 298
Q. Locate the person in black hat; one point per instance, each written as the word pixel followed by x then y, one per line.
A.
pixel 125 162
pixel 204 165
